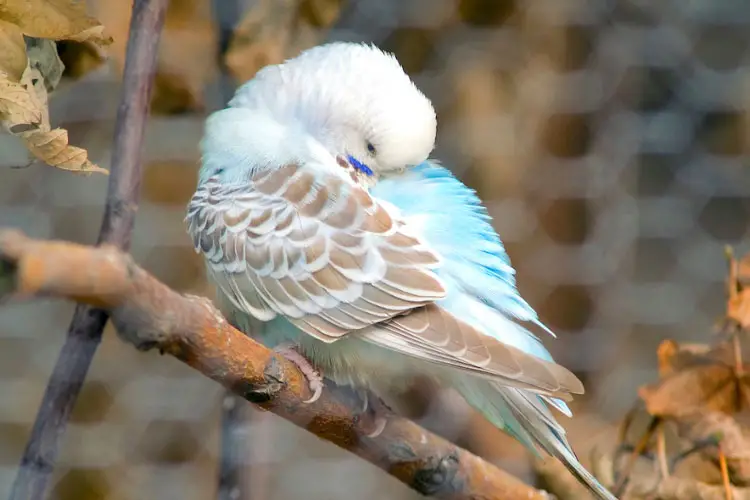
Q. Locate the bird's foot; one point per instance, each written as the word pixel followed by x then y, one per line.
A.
pixel 313 376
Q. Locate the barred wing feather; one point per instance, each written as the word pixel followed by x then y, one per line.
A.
pixel 310 246
pixel 434 334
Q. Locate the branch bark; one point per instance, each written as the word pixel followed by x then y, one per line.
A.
pixel 87 325
pixel 150 315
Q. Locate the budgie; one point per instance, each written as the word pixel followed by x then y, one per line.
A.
pixel 321 216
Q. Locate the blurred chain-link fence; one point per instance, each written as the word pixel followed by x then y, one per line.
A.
pixel 609 139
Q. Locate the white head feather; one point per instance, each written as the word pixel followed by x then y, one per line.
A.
pixel 344 98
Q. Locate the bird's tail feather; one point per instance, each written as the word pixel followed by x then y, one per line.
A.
pixel 524 416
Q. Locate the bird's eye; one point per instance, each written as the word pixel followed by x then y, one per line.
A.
pixel 370 148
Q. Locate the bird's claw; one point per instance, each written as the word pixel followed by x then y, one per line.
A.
pixel 374 408
pixel 313 376
pixel 316 386
pixel 378 426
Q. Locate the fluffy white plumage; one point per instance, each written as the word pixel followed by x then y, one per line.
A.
pixel 319 215
pixel 366 97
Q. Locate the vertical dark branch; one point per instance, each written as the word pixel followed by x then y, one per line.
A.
pixel 140 66
pixel 235 448
pixel 235 413
pixel 367 21
pixel 227 13
pixel 87 325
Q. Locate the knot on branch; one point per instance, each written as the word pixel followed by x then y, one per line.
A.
pixel 273 382
pixel 439 476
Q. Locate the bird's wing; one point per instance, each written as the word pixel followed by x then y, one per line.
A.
pixel 434 334
pixel 303 243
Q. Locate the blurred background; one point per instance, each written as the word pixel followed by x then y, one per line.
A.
pixel 609 139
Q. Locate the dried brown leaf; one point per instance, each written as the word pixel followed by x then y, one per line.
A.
pixel 187 51
pixel 187 57
pixel 705 391
pixel 54 19
pixel 19 108
pixel 24 113
pixel 51 146
pixel 733 438
pixel 25 79
pixel 321 13
pixel 738 308
pixel 742 275
pixel 707 387
pixel 12 51
pixel 699 481
pixel 702 467
pixel 677 488
pixel 665 355
pixel 698 378
pixel 674 357
pixel 80 58
pixel 275 29
pixel 738 303
pixel 260 38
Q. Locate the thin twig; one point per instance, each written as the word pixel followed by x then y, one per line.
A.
pixel 637 452
pixel 733 274
pixel 87 325
pixel 150 315
pixel 728 494
pixel 739 364
pixel 661 453
pixel 624 427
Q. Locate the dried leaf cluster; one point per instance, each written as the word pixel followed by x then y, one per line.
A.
pixel 688 438
pixel 30 68
pixel 698 432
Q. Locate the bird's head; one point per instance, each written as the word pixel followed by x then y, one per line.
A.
pixel 353 99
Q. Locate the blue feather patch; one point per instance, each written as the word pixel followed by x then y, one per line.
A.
pixel 358 165
pixel 475 267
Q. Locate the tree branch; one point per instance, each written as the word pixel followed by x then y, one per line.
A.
pixel 87 325
pixel 150 315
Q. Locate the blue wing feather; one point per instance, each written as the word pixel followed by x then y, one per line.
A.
pixel 456 225
pixel 476 268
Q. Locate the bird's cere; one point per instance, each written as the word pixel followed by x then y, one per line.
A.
pixel 358 165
